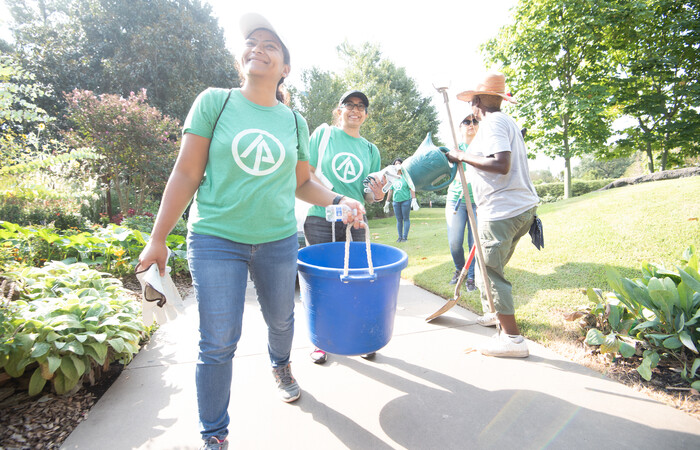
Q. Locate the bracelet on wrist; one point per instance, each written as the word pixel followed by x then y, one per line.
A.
pixel 337 199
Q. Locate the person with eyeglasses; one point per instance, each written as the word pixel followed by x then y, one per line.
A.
pixel 456 211
pixel 341 159
pixel 242 160
pixel 506 201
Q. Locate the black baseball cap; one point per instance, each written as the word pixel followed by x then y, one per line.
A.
pixel 354 93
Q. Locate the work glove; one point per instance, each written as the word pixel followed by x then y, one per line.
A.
pixel 386 207
pixel 160 296
pixel 414 204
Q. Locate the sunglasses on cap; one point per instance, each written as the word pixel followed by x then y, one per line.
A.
pixel 470 121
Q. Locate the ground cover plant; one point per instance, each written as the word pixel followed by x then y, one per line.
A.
pixel 69 323
pixel 112 248
pixel 584 236
pixel 655 316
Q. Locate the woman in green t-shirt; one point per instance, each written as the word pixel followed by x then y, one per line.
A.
pixel 341 159
pixel 244 155
pixel 403 198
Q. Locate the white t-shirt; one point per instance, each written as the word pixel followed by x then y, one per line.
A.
pixel 499 196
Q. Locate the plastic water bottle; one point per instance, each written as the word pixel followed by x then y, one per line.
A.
pixel 338 213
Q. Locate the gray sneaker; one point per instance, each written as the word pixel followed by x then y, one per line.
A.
pixel 287 386
pixel 213 443
pixel 488 320
pixel 455 277
pixel 471 286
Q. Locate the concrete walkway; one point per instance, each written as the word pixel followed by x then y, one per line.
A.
pixel 424 390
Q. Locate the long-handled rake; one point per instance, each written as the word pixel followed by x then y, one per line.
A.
pixel 472 223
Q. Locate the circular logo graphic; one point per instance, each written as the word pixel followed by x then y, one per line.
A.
pixel 257 152
pixel 347 167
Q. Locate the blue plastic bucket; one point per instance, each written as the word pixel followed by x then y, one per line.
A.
pixel 353 314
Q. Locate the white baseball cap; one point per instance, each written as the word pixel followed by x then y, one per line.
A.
pixel 252 21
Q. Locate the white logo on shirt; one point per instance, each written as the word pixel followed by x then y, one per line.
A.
pixel 257 156
pixel 347 167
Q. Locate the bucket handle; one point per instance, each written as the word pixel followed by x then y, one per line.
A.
pixel 348 238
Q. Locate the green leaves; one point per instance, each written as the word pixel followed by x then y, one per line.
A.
pixel 665 306
pixel 69 334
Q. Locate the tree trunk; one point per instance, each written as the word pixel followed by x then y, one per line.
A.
pixel 567 158
pixel 108 198
pixel 123 204
pixel 650 155
pixel 142 194
pixel 664 159
pixel 567 177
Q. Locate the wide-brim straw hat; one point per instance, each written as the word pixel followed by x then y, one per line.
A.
pixel 492 84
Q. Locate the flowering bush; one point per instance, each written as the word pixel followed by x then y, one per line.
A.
pixel 137 143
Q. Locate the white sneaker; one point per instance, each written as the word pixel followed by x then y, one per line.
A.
pixel 488 320
pixel 502 345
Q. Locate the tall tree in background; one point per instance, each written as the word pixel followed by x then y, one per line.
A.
pixel 399 116
pixel 322 90
pixel 553 59
pixel 654 48
pixel 172 48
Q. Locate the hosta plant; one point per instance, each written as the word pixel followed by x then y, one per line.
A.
pixel 664 307
pixel 71 321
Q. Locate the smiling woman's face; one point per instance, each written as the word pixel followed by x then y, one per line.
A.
pixel 263 56
pixel 354 117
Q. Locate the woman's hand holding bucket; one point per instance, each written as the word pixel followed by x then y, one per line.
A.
pixel 356 214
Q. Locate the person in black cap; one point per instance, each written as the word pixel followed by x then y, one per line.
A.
pixel 341 159
pixel 243 157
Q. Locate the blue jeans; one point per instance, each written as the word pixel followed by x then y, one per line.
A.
pixel 403 223
pixel 457 221
pixel 219 269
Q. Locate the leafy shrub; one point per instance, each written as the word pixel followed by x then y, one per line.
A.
pixel 549 191
pixel 144 223
pixel 660 312
pixel 27 212
pixel 112 248
pixel 71 320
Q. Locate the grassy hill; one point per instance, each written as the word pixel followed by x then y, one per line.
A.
pixel 619 227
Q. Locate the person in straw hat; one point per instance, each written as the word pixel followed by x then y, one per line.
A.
pixel 506 203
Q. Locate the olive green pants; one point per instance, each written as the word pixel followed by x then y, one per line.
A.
pixel 498 241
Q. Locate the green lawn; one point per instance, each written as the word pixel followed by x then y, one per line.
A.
pixel 620 227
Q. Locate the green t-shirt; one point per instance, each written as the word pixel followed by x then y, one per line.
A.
pixel 347 161
pixel 454 192
pixel 247 193
pixel 402 191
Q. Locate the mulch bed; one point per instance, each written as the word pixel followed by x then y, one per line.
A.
pixel 45 421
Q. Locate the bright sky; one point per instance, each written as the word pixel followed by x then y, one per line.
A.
pixel 436 41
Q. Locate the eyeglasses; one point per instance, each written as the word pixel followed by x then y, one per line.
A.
pixel 469 122
pixel 350 106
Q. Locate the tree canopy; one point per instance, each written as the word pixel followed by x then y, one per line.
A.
pixel 399 116
pixel 654 46
pixel 554 63
pixel 172 48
